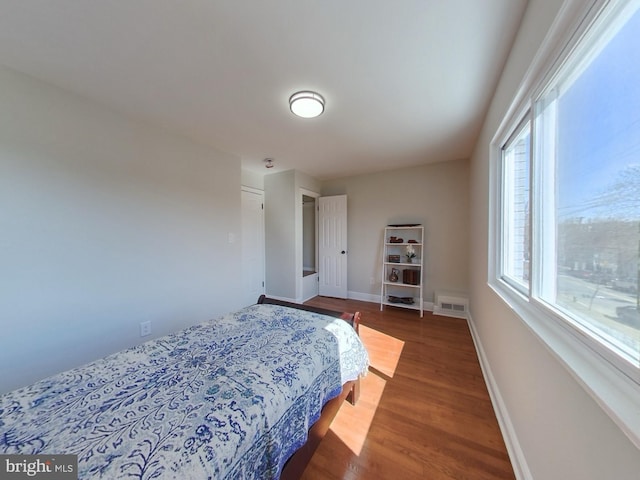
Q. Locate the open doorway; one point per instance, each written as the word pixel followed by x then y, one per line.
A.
pixel 308 235
pixel 309 245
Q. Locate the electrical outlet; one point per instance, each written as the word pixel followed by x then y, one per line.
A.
pixel 145 328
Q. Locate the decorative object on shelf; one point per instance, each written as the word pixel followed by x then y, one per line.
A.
pixel 411 276
pixel 393 277
pixel 396 240
pixel 394 258
pixel 405 300
pixel 410 253
pixel 412 241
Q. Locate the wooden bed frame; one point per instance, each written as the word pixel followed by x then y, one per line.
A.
pixel 350 391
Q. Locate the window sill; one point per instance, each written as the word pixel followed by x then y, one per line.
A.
pixel 615 392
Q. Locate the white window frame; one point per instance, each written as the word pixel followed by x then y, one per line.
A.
pixel 506 197
pixel 611 382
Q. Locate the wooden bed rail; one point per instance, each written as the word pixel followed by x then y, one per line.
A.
pixel 352 318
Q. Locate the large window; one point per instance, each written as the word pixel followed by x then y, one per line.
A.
pixel 568 217
pixel 590 273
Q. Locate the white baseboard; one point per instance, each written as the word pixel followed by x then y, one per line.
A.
pixel 516 455
pixel 284 299
pixel 363 297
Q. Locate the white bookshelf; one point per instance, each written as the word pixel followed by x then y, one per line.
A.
pixel 407 290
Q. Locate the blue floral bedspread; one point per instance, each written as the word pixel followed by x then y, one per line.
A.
pixel 231 398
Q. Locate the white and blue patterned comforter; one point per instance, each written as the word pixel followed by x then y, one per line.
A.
pixel 230 398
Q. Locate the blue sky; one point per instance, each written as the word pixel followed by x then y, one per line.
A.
pixel 599 124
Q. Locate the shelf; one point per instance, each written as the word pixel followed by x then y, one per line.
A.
pixel 417 265
pixel 402 305
pixel 400 284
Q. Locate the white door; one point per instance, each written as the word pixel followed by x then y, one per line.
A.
pixel 253 258
pixel 332 246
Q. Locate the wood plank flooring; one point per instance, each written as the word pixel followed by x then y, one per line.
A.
pixel 424 410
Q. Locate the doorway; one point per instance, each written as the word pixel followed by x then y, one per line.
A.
pixel 309 245
pixel 253 251
pixel 308 236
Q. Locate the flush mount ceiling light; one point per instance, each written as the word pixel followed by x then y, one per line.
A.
pixel 306 104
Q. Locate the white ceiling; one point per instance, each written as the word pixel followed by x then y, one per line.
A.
pixel 406 82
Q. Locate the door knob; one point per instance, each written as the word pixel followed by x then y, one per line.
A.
pixel 343 252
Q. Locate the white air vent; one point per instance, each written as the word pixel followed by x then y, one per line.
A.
pixel 451 305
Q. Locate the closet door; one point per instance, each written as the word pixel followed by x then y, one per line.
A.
pixel 253 256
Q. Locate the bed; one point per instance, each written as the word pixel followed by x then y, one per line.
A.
pixel 235 397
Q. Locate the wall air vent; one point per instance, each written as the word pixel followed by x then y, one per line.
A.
pixel 451 305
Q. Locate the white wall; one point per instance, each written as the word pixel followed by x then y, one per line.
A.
pixel 283 232
pixel 106 222
pixel 561 431
pixel 252 179
pixel 435 195
pixel 280 239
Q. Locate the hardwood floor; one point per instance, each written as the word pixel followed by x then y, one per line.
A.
pixel 424 410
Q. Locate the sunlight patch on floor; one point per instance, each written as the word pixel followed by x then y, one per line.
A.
pixel 352 423
pixel 384 350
